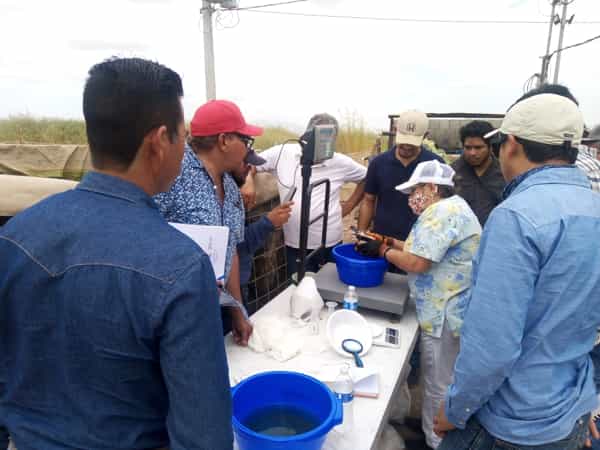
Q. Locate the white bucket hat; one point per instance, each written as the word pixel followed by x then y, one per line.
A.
pixel 428 172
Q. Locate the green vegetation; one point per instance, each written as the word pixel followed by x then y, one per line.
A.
pixel 273 136
pixel 23 129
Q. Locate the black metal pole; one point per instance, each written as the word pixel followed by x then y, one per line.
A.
pixel 304 221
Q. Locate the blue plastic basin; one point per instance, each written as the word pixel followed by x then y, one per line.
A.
pixel 356 269
pixel 292 389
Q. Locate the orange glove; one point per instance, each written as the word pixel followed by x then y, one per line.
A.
pixel 389 241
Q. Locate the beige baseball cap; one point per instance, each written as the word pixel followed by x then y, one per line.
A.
pixel 411 127
pixel 545 118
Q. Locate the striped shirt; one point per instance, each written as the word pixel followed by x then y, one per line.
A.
pixel 586 161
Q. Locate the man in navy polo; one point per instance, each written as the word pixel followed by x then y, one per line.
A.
pixel 383 204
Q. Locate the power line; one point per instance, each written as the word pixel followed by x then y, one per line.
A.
pixel 403 19
pixel 247 8
pixel 575 45
pixel 541 78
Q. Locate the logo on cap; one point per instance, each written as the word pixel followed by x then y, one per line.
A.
pixel 411 127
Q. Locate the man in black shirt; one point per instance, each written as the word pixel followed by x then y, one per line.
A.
pixel 478 177
pixel 382 203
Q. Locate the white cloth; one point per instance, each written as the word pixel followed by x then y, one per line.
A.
pixel 269 336
pixel 437 363
pixel 339 170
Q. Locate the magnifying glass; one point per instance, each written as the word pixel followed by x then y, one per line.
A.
pixel 353 347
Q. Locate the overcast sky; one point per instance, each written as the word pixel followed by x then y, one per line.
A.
pixel 282 69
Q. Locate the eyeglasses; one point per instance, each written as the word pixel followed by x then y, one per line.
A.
pixel 247 140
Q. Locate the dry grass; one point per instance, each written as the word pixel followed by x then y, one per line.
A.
pixel 354 136
pixel 24 129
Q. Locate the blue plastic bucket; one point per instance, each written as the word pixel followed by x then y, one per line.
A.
pixel 284 389
pixel 356 269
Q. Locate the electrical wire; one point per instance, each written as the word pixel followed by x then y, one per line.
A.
pixel 277 165
pixel 415 20
pixel 226 18
pixel 587 41
pixel 271 4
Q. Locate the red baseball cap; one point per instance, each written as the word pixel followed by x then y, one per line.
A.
pixel 221 116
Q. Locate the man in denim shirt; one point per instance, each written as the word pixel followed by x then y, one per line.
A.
pixel 524 377
pixel 110 336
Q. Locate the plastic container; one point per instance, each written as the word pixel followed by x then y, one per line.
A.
pixel 356 269
pixel 351 299
pixel 344 389
pixel 292 389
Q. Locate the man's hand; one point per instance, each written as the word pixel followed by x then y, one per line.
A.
pixel 241 327
pixel 593 432
pixel 441 425
pixel 347 208
pixel 279 215
pixel 248 192
pixel 369 248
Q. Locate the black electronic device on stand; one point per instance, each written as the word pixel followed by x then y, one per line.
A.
pixel 317 145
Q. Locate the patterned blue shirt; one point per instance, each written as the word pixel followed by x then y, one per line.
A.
pixel 446 233
pixel 192 199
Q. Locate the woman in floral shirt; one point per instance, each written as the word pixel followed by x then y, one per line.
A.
pixel 437 256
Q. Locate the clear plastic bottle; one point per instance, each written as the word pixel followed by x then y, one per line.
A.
pixel 344 390
pixel 351 299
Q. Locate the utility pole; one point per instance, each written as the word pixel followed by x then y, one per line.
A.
pixel 563 23
pixel 209 53
pixel 546 58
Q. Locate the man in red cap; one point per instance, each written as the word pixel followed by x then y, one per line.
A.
pixel 206 194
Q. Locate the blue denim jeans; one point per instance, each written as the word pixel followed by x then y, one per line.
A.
pixel 475 437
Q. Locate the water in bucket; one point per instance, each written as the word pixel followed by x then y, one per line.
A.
pixel 281 421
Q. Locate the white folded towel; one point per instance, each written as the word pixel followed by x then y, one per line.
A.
pixel 269 336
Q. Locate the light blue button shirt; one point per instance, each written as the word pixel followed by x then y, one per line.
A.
pixel 524 367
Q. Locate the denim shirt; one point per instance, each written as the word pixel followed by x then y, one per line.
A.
pixel 192 199
pixel 524 367
pixel 110 333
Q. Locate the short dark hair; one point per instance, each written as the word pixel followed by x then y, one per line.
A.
pixel 123 100
pixel 538 152
pixel 203 143
pixel 445 191
pixel 556 89
pixel 475 129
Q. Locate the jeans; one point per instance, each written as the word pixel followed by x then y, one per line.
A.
pixel 475 437
pixel 312 265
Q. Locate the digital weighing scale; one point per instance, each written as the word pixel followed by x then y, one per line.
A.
pixel 390 296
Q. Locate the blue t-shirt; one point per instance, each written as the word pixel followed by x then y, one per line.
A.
pixel 393 216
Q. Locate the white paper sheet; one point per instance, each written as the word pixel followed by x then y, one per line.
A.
pixel 212 239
